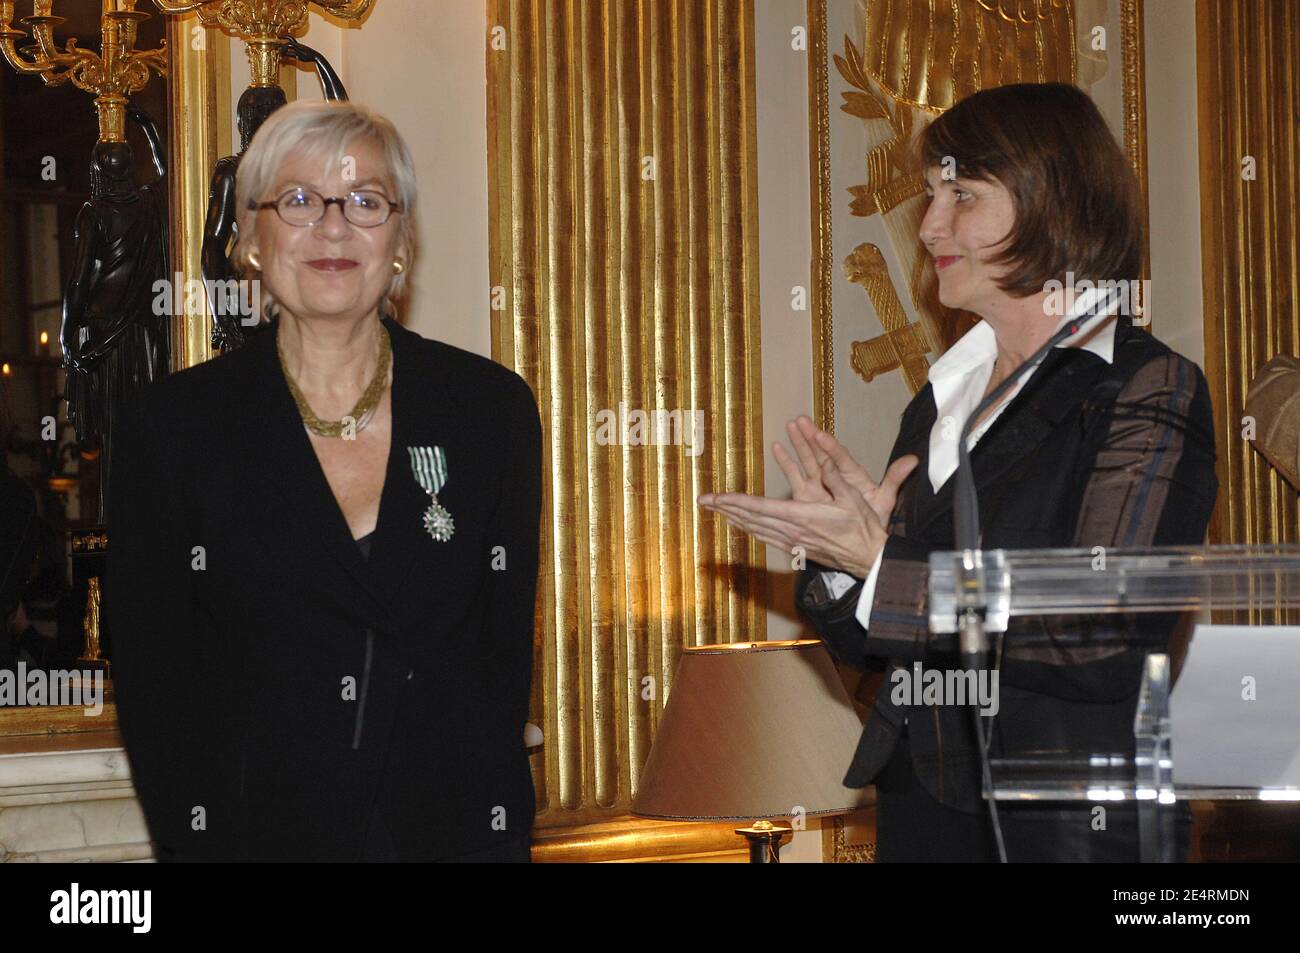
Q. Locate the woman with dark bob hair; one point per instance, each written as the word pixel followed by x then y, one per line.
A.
pixel 324 549
pixel 1107 441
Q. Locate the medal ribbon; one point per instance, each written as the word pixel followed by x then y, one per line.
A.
pixel 429 464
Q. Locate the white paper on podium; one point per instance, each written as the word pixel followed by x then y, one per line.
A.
pixel 1221 739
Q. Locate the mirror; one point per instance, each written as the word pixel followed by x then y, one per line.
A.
pixel 50 484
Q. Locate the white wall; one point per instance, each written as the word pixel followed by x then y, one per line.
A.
pixel 785 253
pixel 1173 163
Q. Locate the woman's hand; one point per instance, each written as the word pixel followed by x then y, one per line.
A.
pixel 833 517
pixel 813 446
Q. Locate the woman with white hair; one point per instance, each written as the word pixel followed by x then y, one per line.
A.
pixel 324 544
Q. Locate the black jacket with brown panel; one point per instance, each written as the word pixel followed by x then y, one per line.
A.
pixel 1086 454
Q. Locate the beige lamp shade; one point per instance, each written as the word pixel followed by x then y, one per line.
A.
pixel 753 730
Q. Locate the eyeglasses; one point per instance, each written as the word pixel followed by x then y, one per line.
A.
pixel 303 207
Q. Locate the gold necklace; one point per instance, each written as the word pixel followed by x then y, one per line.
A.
pixel 365 407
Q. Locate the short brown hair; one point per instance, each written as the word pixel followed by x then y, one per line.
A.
pixel 1076 199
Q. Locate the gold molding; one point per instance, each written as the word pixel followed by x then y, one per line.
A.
pixel 35 722
pixel 632 840
pixel 1133 67
pixel 836 848
pixel 819 164
pixel 199 122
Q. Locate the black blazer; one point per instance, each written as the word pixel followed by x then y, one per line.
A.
pixel 1086 454
pixel 272 686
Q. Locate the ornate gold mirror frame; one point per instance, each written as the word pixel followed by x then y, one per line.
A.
pixel 199 97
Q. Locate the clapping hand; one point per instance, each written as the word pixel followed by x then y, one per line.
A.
pixel 838 515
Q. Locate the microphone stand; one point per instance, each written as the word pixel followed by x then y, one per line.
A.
pixel 972 604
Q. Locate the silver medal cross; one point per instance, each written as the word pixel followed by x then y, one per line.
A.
pixel 429 465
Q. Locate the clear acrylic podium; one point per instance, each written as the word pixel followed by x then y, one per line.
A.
pixel 1003 584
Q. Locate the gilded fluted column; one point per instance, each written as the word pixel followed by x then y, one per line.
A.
pixel 623 208
pixel 1248 70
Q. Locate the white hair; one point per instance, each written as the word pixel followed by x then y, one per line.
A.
pixel 313 129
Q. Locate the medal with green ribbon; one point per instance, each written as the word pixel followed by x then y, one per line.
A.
pixel 429 464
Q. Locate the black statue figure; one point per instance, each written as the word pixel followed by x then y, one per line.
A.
pixel 219 230
pixel 331 87
pixel 151 135
pixel 114 340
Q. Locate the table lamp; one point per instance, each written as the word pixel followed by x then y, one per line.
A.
pixel 753 731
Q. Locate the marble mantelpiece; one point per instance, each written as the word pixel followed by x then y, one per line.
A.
pixel 68 798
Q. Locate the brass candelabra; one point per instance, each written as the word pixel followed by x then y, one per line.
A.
pixel 261 23
pixel 112 75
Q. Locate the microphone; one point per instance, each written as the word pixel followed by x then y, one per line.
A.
pixel 972 604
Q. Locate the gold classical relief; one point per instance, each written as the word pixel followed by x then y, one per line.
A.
pixel 930 54
pixel 915 60
pixel 903 345
pixel 887 161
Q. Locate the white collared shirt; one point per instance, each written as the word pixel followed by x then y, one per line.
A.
pixel 958 380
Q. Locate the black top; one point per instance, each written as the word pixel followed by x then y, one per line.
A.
pixel 363 544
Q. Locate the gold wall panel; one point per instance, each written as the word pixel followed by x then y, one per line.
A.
pixel 623 256
pixel 1248 72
